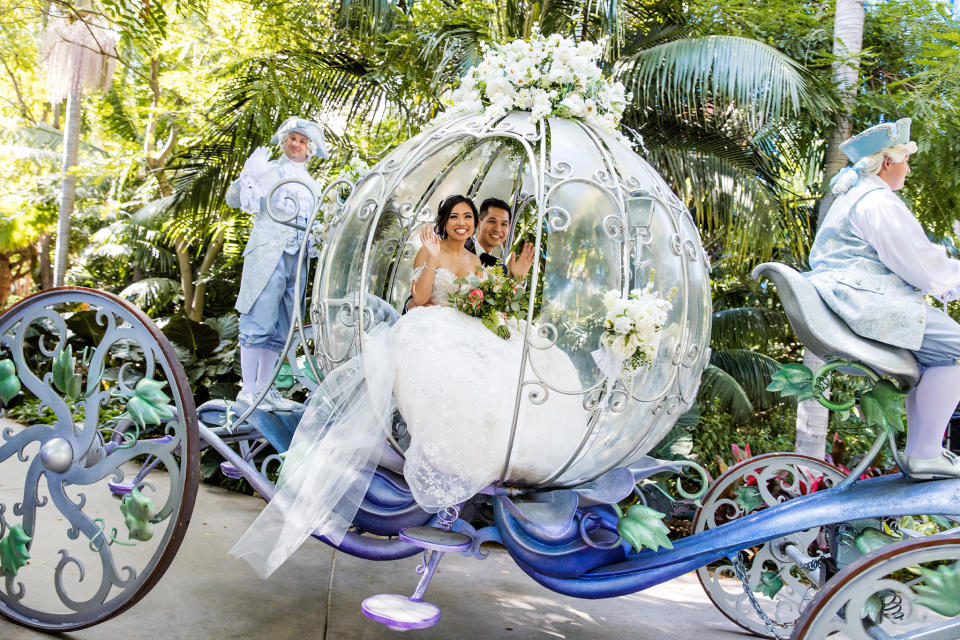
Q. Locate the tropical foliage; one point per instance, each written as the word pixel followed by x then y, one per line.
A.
pixel 732 101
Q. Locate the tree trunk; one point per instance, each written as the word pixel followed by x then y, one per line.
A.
pixel 812 417
pixel 186 275
pixel 213 250
pixel 44 266
pixel 6 278
pixel 847 44
pixel 71 142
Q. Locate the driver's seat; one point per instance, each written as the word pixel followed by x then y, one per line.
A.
pixel 826 334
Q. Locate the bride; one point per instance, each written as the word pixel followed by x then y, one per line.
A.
pixel 455 383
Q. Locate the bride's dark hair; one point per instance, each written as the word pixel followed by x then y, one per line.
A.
pixel 446 208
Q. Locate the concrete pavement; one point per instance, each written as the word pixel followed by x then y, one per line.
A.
pixel 207 595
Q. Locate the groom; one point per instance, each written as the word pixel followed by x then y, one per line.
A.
pixel 493 226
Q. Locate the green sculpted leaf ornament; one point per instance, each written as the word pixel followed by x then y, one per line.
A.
pixel 793 380
pixel 13 550
pixel 770 583
pixel 883 405
pixel 65 376
pixel 748 498
pixel 643 527
pixel 871 539
pixel 9 380
pixel 148 404
pixel 138 512
pixel 939 589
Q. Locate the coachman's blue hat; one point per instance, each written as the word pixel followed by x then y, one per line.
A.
pixel 876 139
pixel 305 127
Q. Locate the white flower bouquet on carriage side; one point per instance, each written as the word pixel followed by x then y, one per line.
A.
pixel 547 76
pixel 633 324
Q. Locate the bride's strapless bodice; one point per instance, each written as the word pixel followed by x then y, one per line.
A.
pixel 443 286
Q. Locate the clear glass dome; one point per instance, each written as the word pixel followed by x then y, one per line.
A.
pixel 601 218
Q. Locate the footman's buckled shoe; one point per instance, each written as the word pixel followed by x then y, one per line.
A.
pixel 945 465
pixel 275 402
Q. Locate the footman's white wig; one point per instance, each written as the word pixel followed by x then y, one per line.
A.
pixel 311 130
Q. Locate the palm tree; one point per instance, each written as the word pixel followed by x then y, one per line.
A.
pixel 812 417
pixel 79 56
pixel 713 111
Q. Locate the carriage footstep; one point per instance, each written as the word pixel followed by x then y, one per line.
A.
pixel 435 539
pixel 400 613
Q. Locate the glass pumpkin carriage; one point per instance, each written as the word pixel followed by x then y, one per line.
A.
pixel 601 219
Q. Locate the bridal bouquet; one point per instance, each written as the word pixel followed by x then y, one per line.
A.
pixel 494 298
pixel 547 76
pixel 633 324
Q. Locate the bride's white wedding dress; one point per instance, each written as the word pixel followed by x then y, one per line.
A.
pixel 456 387
pixel 455 383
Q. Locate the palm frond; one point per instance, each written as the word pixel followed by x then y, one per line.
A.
pixel 116 119
pixel 752 372
pixel 43 137
pixel 741 217
pixel 451 50
pixel 31 154
pixel 747 327
pixel 266 90
pixel 706 75
pixel 371 17
pixel 151 292
pixel 718 385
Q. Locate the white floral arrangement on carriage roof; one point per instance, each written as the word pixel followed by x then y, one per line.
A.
pixel 547 76
pixel 633 326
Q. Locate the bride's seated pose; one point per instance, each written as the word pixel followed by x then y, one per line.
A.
pixel 455 383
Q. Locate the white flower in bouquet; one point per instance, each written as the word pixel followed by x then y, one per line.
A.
pixel 622 325
pixel 546 76
pixel 617 308
pixel 633 324
pixel 575 105
pixel 541 104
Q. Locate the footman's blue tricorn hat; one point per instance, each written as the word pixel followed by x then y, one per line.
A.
pixel 876 139
pixel 305 127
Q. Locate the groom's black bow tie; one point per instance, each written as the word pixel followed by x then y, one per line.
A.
pixel 487 259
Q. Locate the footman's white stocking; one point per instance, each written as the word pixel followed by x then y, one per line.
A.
pixel 929 407
pixel 249 363
pixel 268 359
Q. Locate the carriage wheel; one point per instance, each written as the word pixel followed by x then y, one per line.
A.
pixel 779 586
pixel 99 458
pixel 906 589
